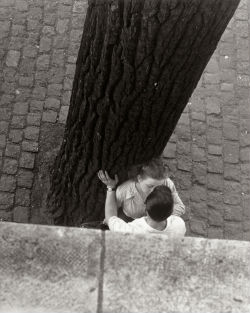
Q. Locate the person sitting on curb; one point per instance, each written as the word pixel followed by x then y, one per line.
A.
pixel 159 208
pixel 131 194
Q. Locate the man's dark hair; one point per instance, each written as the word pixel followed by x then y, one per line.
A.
pixel 159 203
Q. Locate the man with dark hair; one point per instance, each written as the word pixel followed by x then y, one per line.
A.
pixel 159 208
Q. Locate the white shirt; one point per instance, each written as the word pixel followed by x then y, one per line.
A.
pixel 129 199
pixel 175 226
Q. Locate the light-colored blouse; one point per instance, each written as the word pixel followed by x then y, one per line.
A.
pixel 130 200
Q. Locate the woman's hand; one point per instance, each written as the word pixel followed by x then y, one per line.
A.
pixel 109 182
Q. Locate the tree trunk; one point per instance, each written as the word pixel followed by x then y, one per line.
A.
pixel 138 64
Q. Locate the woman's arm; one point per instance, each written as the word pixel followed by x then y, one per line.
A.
pixel 110 202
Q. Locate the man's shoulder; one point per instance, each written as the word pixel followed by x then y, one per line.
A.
pixel 176 220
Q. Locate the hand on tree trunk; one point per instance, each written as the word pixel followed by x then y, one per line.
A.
pixel 107 180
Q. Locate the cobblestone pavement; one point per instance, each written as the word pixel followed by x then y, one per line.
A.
pixel 208 155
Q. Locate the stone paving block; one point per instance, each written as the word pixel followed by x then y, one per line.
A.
pixel 215 216
pixel 48 31
pixel 199 210
pixel 212 105
pixel 5 114
pixel 215 181
pixel 245 154
pixel 61 42
pixel 6 216
pixel 215 232
pixel 67 84
pixel 232 172
pixel 198 193
pixel 31 133
pixel 227 75
pixel 184 180
pixel 79 7
pixel 10 166
pixel 198 227
pixel 33 25
pixel 30 146
pixel 22 197
pixel 49 116
pixel 18 30
pixel 199 173
pixel 27 160
pixel 198 154
pixel 7 183
pixel 215 149
pixel 62 26
pixel 214 199
pixel 184 148
pixel 184 163
pixel 12 150
pixel 43 62
pixel 63 114
pixel 6 99
pixel 39 92
pixel 200 116
pixel 54 89
pixel 70 70
pixel 12 58
pixel 21 214
pixel 75 35
pixel 66 98
pixel 52 103
pixel 231 151
pixel 215 164
pixel 77 20
pixel 18 121
pixel 170 150
pixel 45 44
pixel 36 106
pixel 26 81
pixel 21 5
pixel 16 135
pixel 61 266
pixel 212 66
pixel 25 178
pixel 6 198
pixel 35 13
pixel 58 57
pixel 233 213
pixel 233 230
pixel 27 66
pixel 34 119
pixel 230 131
pixel 2 141
pixel 232 192
pixel 4 127
pixel 246 206
pixel 227 87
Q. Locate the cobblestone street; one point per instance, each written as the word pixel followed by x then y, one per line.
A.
pixel 208 154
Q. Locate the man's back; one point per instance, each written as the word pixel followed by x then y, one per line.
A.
pixel 175 226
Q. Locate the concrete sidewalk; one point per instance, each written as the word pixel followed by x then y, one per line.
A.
pixel 58 269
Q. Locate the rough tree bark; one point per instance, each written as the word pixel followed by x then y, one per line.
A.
pixel 138 64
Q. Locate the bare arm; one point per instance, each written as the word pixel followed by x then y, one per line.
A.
pixel 110 202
